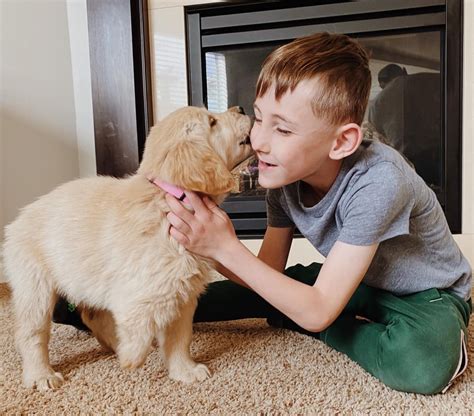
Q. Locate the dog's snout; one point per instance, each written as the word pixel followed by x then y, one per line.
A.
pixel 246 141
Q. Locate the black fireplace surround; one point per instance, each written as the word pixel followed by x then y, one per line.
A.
pixel 242 33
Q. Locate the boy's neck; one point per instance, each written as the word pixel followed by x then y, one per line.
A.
pixel 321 182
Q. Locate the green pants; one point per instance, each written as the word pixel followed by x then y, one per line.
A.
pixel 411 343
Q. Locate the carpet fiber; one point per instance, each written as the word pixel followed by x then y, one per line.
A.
pixel 257 370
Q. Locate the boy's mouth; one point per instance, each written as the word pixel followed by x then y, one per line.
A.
pixel 264 165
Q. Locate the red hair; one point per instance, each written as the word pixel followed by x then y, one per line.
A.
pixel 337 62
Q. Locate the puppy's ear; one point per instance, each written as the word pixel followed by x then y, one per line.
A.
pixel 195 166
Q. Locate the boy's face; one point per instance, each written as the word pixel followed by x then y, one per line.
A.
pixel 290 141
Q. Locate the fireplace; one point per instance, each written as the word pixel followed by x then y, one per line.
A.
pixel 415 48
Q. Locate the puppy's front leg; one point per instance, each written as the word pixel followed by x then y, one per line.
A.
pixel 175 341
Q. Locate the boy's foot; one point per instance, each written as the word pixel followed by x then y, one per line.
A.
pixel 67 314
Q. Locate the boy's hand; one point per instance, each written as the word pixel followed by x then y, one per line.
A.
pixel 206 232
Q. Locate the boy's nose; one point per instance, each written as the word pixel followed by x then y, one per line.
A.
pixel 259 144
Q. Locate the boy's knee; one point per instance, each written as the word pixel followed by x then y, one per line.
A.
pixel 424 363
pixel 423 378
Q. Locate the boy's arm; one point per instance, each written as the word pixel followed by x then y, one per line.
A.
pixel 313 308
pixel 276 247
pixel 273 252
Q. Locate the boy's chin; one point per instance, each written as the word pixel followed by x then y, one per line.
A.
pixel 270 184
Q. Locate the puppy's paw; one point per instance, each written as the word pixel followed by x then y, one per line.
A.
pixel 44 382
pixel 132 356
pixel 131 363
pixel 191 373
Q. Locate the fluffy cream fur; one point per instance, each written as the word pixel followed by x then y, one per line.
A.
pixel 103 243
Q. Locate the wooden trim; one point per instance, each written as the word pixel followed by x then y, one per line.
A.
pixel 121 87
pixel 141 57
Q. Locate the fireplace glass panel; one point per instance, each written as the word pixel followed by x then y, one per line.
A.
pixel 404 107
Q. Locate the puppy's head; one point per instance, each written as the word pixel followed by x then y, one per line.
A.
pixel 195 149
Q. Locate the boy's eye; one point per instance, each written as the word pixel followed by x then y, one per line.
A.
pixel 283 131
pixel 257 120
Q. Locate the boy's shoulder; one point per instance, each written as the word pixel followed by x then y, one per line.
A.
pixel 373 154
pixel 380 181
pixel 377 174
pixel 377 163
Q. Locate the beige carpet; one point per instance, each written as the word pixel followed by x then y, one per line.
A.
pixel 257 370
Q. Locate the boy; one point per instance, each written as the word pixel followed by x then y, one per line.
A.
pixel 394 291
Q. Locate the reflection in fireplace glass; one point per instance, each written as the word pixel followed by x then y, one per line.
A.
pixel 216 82
pixel 405 100
pixel 404 107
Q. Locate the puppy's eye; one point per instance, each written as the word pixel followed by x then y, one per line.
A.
pixel 212 121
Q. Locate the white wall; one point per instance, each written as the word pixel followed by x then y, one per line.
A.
pixel 81 75
pixel 468 119
pixel 38 139
pixel 37 102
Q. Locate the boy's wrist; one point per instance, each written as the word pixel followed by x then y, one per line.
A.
pixel 228 252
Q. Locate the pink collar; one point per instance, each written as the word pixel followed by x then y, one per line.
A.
pixel 171 189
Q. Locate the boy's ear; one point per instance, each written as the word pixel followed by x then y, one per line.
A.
pixel 348 139
pixel 196 167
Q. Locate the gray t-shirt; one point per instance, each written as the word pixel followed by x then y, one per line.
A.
pixel 378 198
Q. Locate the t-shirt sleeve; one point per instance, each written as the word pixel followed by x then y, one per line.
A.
pixel 276 214
pixel 378 207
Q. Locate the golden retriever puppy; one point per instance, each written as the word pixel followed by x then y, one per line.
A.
pixel 103 243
